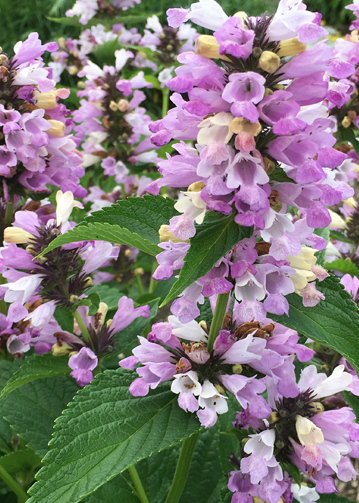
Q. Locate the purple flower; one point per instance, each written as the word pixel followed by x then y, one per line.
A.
pixel 82 365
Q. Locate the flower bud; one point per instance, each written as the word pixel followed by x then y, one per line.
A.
pixel 128 252
pixel 139 271
pixel 219 389
pixel 308 433
pixel 317 407
pixel 207 46
pixel 269 61
pixel 16 235
pixel 123 105
pixel 73 299
pixel 3 59
pixel 196 186
pixel 237 369
pixel 47 101
pixel 88 282
pixel 203 324
pixel 290 47
pixel 61 350
pixel 243 16
pixel 57 128
pixel 62 42
pixel 346 122
pixel 113 106
pixel 166 236
pixel 273 417
pixel 101 312
pixel 73 70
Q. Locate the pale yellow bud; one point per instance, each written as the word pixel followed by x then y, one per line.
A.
pixel 237 369
pixel 243 16
pixel 113 106
pixel 81 84
pixel 73 70
pixel 61 350
pixel 196 186
pixel 88 282
pixel 351 202
pixel 57 128
pixel 139 271
pixel 308 433
pixel 346 122
pixel 273 417
pixel 128 253
pixel 102 311
pixel 123 105
pixel 268 92
pixel 16 235
pixel 337 220
pixel 142 54
pixel 62 42
pixel 219 389
pixel 166 235
pixel 73 299
pixel 207 46
pixel 290 47
pixel 317 407
pixel 47 101
pixel 108 323
pixel 203 324
pixel 269 61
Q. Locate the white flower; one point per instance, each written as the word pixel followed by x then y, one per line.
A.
pixel 191 331
pixel 65 204
pixel 22 289
pixel 187 383
pixel 304 494
pixel 41 316
pixel 207 13
pixel 322 385
pixel 308 432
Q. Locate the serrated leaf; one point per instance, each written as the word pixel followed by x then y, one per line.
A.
pixel 214 238
pixel 37 367
pixel 108 294
pixel 16 461
pixel 104 431
pixel 343 266
pixel 116 490
pixel 141 215
pixel 205 310
pixel 95 302
pixel 103 232
pixel 32 409
pixel 338 236
pixel 333 322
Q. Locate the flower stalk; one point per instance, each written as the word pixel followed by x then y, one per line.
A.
pixel 218 317
pixel 138 484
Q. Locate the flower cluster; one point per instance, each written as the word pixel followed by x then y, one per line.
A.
pixel 34 128
pixel 87 9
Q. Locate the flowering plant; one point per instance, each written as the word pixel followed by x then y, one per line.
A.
pixel 179 269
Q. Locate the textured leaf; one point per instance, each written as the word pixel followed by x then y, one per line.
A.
pixel 347 134
pixel 108 294
pixel 95 303
pixel 104 431
pixel 116 491
pixel 333 322
pixel 338 236
pixel 65 319
pixel 343 266
pixel 37 367
pixel 32 409
pixel 214 238
pixel 141 215
pixel 205 310
pixel 104 232
pixel 323 233
pixel 279 175
pixel 16 461
pixel 332 498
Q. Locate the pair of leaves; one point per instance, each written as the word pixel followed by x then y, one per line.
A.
pixel 333 322
pixel 132 222
pixel 104 431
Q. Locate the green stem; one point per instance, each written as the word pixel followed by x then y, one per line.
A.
pixel 140 285
pixel 153 282
pixel 182 469
pixel 165 101
pixel 138 484
pixel 82 326
pixel 123 191
pixel 218 317
pixel 9 212
pixel 14 486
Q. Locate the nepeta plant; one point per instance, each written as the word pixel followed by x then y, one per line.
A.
pixel 179 320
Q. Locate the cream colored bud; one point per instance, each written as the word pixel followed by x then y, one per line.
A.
pixel 203 324
pixel 273 417
pixel 88 282
pixel 128 253
pixel 73 299
pixel 351 202
pixel 207 46
pixel 139 271
pixel 166 235
pixel 73 70
pixel 346 122
pixel 219 389
pixel 61 350
pixel 123 105
pixel 57 128
pixel 308 433
pixel 113 106
pixel 317 407
pixel 196 186
pixel 16 235
pixel 47 101
pixel 269 61
pixel 142 54
pixel 102 311
pixel 81 84
pixel 290 47
pixel 243 16
pixel 108 323
pixel 62 42
pixel 237 369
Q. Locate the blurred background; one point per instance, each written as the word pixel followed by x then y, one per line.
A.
pixel 20 17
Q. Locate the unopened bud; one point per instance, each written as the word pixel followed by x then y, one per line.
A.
pixel 280 444
pixel 73 70
pixel 203 324
pixel 123 105
pixel 16 235
pixel 273 418
pixel 88 282
pixel 73 299
pixel 269 165
pixel 219 389
pixel 243 16
pixel 169 47
pixel 290 47
pixel 113 106
pixel 62 42
pixel 142 54
pixel 196 186
pixel 102 311
pixel 269 61
pixel 108 323
pixel 346 122
pixel 47 101
pixel 57 128
pixel 61 350
pixel 166 235
pixel 128 253
pixel 81 84
pixel 257 51
pixel 268 92
pixel 207 46
pixel 237 369
pixel 3 59
pixel 139 271
pixel 317 407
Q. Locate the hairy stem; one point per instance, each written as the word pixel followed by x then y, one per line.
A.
pixel 182 469
pixel 138 484
pixel 14 486
pixel 218 317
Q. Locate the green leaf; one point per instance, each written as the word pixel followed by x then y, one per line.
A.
pixel 353 402
pixel 205 310
pixel 141 215
pixel 32 409
pixel 65 319
pixel 104 431
pixel 338 236
pixel 333 498
pixel 103 232
pixel 108 294
pixel 128 335
pixel 293 471
pixel 344 266
pixel 75 21
pixel 279 175
pixel 333 322
pixel 16 461
pixel 323 233
pixel 214 238
pixel 95 302
pixel 347 134
pixel 154 81
pixel 37 367
pixel 115 491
